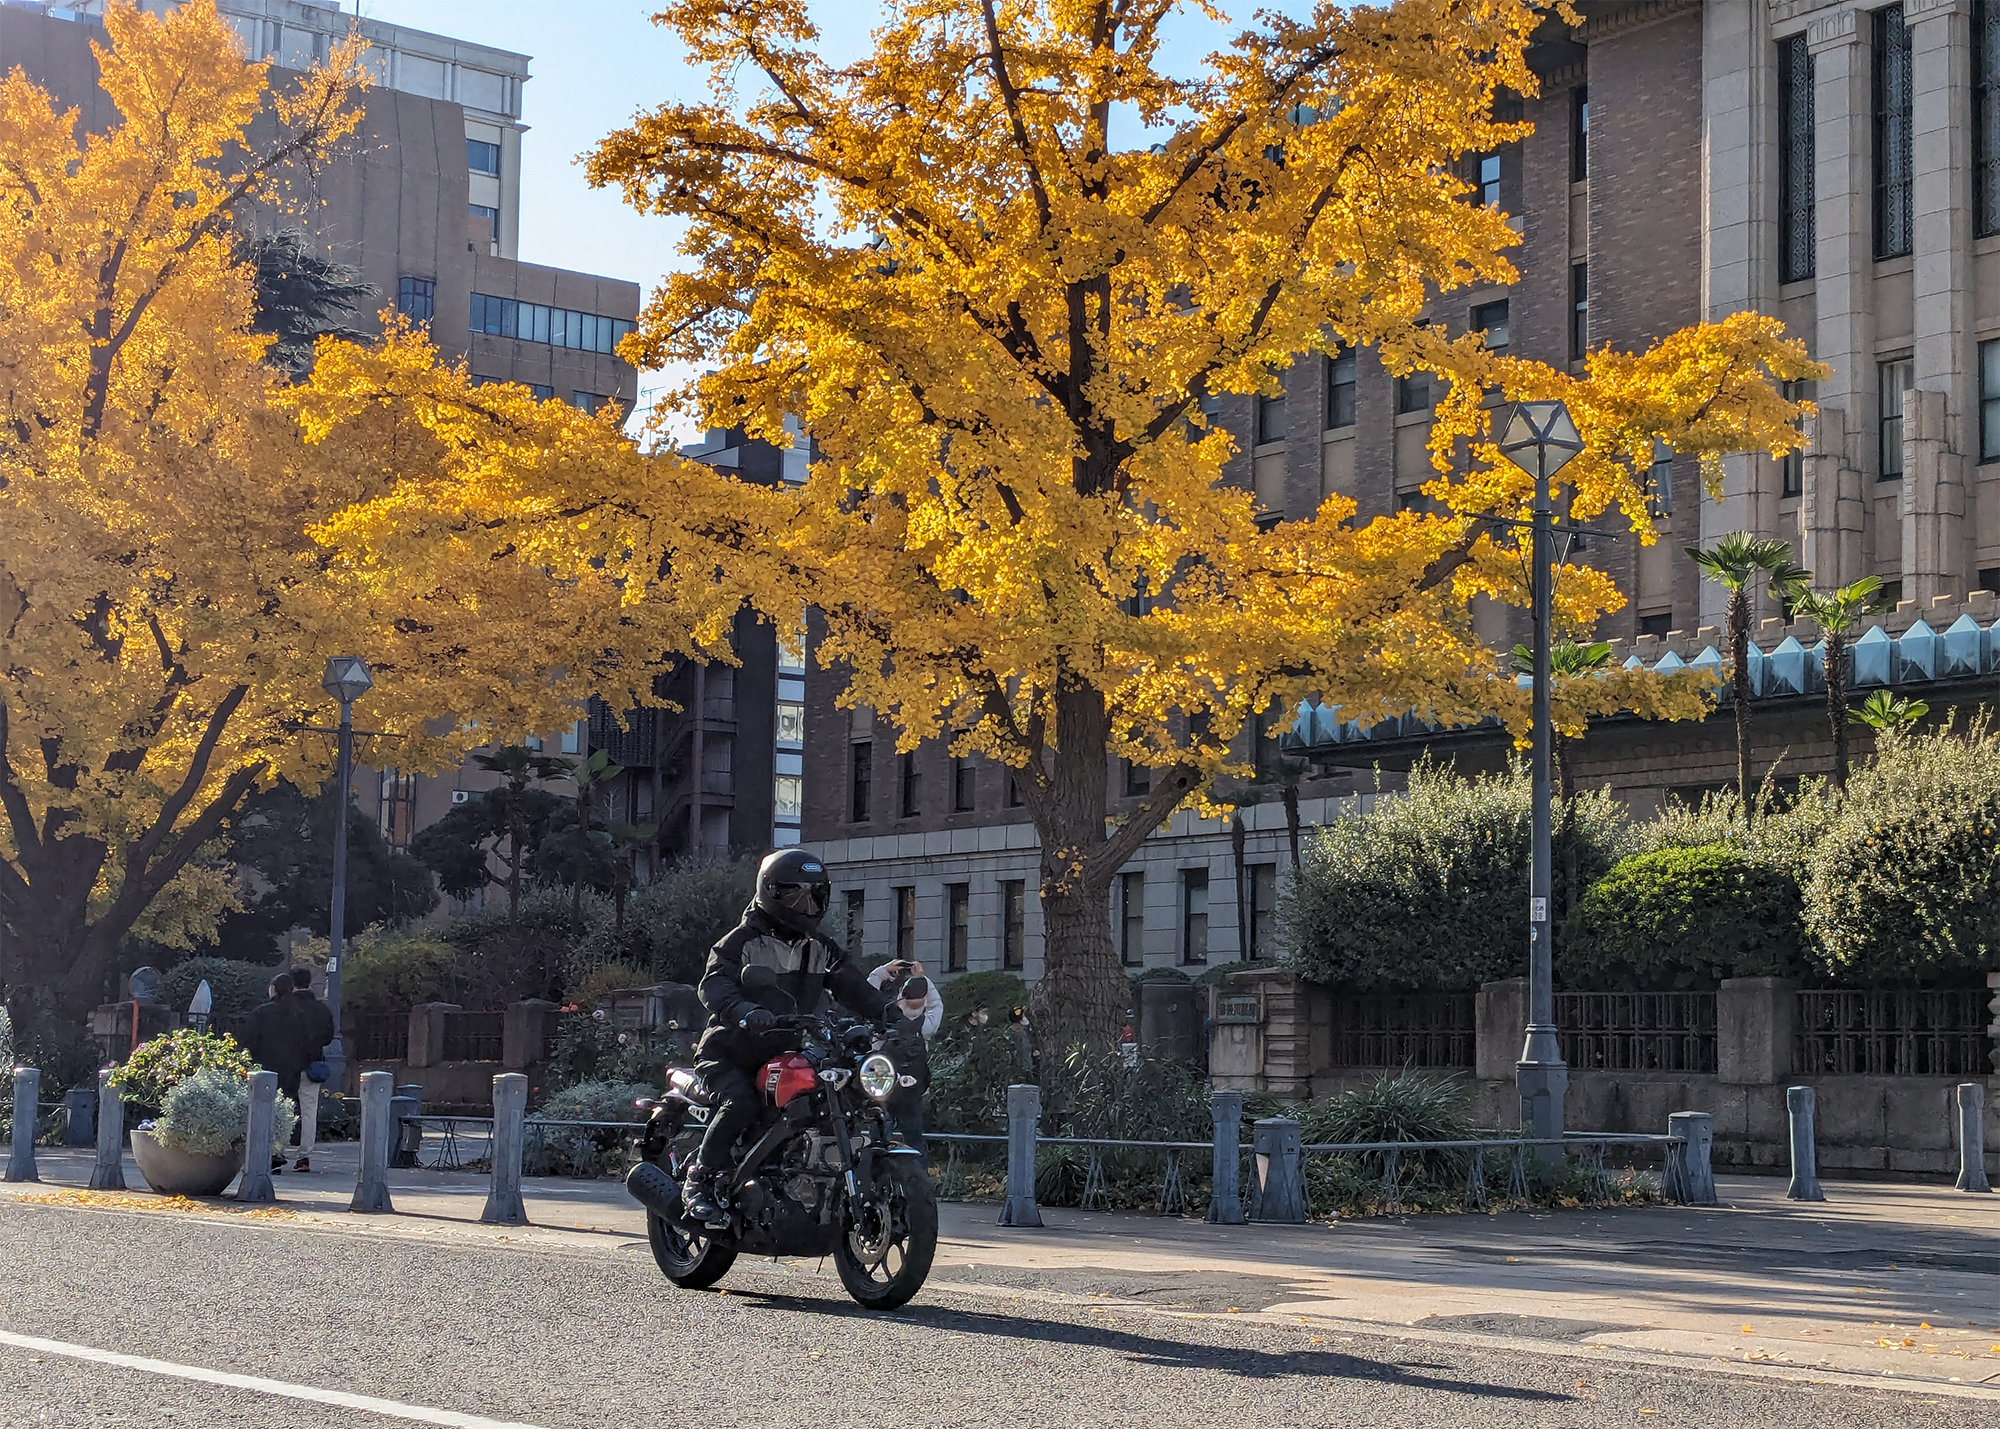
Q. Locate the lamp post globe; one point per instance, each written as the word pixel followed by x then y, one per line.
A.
pixel 347 680
pixel 1541 439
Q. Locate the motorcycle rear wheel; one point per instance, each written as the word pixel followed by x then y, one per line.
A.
pixel 883 1263
pixel 689 1259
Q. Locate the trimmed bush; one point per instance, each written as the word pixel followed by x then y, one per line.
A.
pixel 1903 887
pixel 238 987
pixel 1429 890
pixel 1682 918
pixel 393 972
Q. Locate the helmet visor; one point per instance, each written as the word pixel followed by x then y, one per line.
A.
pixel 804 900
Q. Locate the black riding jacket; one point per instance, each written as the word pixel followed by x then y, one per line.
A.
pixel 807 969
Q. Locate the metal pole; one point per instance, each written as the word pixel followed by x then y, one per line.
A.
pixel 1024 1113
pixel 1541 1076
pixel 1225 1204
pixel 336 1054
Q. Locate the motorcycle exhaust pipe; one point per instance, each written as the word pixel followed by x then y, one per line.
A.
pixel 654 1189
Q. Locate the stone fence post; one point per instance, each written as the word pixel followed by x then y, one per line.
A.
pixel 371 1187
pixel 1972 1138
pixel 427 1032
pixel 1691 1167
pixel 1805 1153
pixel 1278 1194
pixel 255 1186
pixel 109 1172
pixel 1756 1020
pixel 524 1032
pixel 1500 1018
pixel 1024 1114
pixel 1225 1206
pixel 510 1112
pixel 21 1155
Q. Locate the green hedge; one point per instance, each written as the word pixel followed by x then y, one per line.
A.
pixel 1681 918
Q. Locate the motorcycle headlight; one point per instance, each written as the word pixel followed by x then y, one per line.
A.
pixel 878 1076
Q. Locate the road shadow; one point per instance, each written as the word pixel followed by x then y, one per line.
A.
pixel 1153 1351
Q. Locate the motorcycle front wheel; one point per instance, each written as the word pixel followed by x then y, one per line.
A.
pixel 691 1260
pixel 888 1240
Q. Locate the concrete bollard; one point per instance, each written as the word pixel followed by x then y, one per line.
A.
pixel 21 1157
pixel 1278 1194
pixel 1225 1205
pixel 1024 1114
pixel 1691 1173
pixel 79 1117
pixel 371 1187
pixel 1805 1154
pixel 1972 1138
pixel 510 1114
pixel 409 1131
pixel 254 1187
pixel 108 1174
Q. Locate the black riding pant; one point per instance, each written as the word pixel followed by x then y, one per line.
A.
pixel 735 1093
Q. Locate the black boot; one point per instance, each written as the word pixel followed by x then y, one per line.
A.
pixel 699 1198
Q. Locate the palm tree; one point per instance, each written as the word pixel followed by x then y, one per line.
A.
pixel 1735 562
pixel 1837 613
pixel 1888 715
pixel 630 840
pixel 518 766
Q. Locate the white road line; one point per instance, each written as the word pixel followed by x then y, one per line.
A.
pixel 340 1398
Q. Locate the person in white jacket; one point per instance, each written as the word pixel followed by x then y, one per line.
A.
pixel 922 1010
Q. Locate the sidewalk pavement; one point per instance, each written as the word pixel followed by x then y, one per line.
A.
pixel 1878 1280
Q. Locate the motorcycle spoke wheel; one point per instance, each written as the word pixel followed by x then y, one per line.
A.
pixel 885 1249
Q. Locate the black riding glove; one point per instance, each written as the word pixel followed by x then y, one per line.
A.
pixel 759 1019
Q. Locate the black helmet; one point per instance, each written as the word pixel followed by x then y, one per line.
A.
pixel 793 890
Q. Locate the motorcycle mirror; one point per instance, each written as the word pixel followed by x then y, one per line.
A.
pixel 758 978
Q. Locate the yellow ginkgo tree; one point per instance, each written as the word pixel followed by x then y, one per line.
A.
pixel 995 265
pixel 185 538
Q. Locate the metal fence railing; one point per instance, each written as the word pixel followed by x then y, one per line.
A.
pixel 1417 1029
pixel 1892 1034
pixel 1637 1031
pixel 550 1146
pixel 474 1036
pixel 380 1036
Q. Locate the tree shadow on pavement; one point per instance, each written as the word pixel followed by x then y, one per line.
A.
pixel 1170 1354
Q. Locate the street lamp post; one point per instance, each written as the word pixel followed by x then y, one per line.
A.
pixel 347 680
pixel 1541 439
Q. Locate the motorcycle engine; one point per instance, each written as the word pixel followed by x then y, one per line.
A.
pixel 778 1221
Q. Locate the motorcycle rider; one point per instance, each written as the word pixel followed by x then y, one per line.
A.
pixel 779 931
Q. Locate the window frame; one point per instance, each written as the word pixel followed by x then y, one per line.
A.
pixel 1988 355
pixel 861 781
pixel 964 784
pixel 413 292
pixel 1884 421
pixel 1985 118
pixel 1481 321
pixel 1194 881
pixel 906 922
pixel 1131 918
pixel 1892 87
pixel 957 927
pixel 1579 134
pixel 1339 383
pixel 1013 924
pixel 473 167
pixel 1263 913
pixel 1798 155
pixel 910 787
pixel 1270 416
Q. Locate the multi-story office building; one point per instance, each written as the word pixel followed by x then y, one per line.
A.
pixel 1835 163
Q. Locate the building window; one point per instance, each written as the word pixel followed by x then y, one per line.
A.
pixel 1138 780
pixel 964 784
pixel 958 925
pixel 857 911
pixel 585 401
pixel 906 924
pixel 1270 419
pixel 1989 401
pixel 1579 311
pixel 489 217
pixel 1579 134
pixel 1194 915
pixel 1792 468
pixel 1263 909
pixel 1895 377
pixel 399 809
pixel 791 798
pixel 1989 579
pixel 1894 164
pixel 1796 156
pixel 541 391
pixel 860 781
pixel 1340 388
pixel 1660 623
pixel 1014 799
pixel 1486 188
pixel 910 791
pixel 1491 319
pixel 1892 595
pixel 1131 919
pixel 791 722
pixel 1413 393
pixel 482 157
pixel 416 298
pixel 534 322
pixel 1986 117
pixel 1660 484
pixel 1013 924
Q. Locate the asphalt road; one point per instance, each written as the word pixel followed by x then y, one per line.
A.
pixel 563 1340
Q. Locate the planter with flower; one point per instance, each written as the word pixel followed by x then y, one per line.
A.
pixel 192 1091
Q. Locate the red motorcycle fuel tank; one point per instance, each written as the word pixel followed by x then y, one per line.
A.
pixel 785 1077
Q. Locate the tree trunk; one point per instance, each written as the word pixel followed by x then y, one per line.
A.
pixel 1836 704
pixel 1290 794
pixel 1739 680
pixel 517 834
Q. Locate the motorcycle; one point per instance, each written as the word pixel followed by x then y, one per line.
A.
pixel 818 1173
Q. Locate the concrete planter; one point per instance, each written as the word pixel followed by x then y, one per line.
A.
pixel 183 1173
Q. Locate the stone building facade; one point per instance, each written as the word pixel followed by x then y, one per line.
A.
pixel 1689 160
